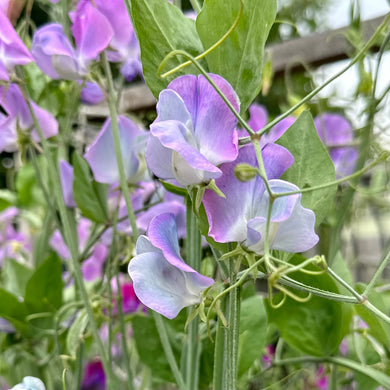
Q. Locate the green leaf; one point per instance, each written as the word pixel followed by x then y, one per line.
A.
pixel 253 332
pixel 13 310
pixel 75 334
pixel 44 289
pixel 7 198
pixel 161 28
pixel 150 350
pixel 16 276
pixel 377 327
pixel 174 189
pixel 312 165
pixel 27 187
pixel 239 59
pixel 317 326
pixel 90 196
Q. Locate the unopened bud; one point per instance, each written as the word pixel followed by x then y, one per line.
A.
pixel 245 172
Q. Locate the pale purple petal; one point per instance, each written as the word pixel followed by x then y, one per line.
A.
pixel 66 176
pixel 344 159
pixel 228 216
pixel 163 287
pixel 12 49
pixel 58 244
pixel 296 234
pixel 213 122
pixel 3 73
pixel 50 42
pixel 92 268
pixel 189 165
pixel 47 123
pixel 131 68
pixel 101 154
pixel 8 134
pixel 92 93
pixel 278 130
pixel 162 233
pixel 333 129
pixel 30 383
pixel 176 208
pixel 92 32
pixel 159 159
pixel 258 117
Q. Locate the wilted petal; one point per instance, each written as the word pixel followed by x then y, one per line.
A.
pixel 66 176
pixel 101 154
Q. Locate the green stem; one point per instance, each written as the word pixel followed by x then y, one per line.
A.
pixel 194 256
pixel 378 272
pixel 345 285
pixel 117 144
pixel 168 350
pixel 71 242
pixel 124 336
pixel 358 56
pixel 354 175
pixel 219 371
pixel 196 6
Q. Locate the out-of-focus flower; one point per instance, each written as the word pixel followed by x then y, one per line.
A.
pixel 320 378
pixel 194 131
pixel 101 154
pixel 162 280
pixel 30 383
pixel 13 243
pixel 55 55
pixel 92 267
pixel 242 216
pixel 91 93
pixel 336 134
pixel 12 49
pixel 18 123
pixel 94 376
pixel 124 47
pixel 269 356
pixel 66 176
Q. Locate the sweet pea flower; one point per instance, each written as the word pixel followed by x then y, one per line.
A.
pixel 30 383
pixel 101 154
pixel 242 216
pixel 91 93
pixel 162 280
pixel 66 176
pixel 94 376
pixel 55 55
pixel 194 131
pixel 336 133
pixel 258 118
pixel 12 49
pixel 320 379
pixel 18 122
pixel 91 268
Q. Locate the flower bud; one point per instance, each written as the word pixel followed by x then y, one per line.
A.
pixel 245 172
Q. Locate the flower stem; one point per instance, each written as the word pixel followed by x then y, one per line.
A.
pixel 378 272
pixel 117 144
pixel 70 239
pixel 193 346
pixel 168 350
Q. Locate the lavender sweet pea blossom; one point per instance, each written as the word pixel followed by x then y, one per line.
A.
pixel 194 131
pixel 336 133
pixel 18 121
pixel 162 280
pixel 12 49
pixel 242 216
pixel 101 154
pixel 55 55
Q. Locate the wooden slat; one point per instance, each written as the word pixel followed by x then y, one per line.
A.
pixel 315 49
